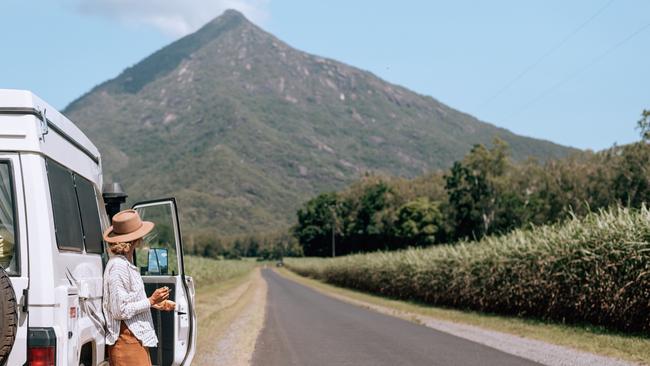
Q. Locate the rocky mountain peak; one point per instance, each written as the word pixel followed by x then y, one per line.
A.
pixel 232 14
pixel 229 20
pixel 165 60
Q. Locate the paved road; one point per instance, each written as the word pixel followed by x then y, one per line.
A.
pixel 304 327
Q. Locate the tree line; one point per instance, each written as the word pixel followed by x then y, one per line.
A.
pixel 264 246
pixel 486 193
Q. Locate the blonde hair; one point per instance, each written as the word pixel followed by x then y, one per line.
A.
pixel 119 248
pixel 122 248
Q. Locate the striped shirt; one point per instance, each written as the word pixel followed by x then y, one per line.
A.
pixel 125 300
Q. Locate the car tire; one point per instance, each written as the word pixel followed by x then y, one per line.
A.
pixel 8 316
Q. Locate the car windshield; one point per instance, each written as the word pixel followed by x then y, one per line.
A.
pixel 8 240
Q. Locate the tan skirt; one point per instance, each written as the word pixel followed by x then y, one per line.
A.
pixel 128 350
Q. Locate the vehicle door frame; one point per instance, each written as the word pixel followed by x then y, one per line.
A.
pixel 191 346
pixel 20 283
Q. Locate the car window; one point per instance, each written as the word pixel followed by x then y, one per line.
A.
pixel 65 207
pixel 160 244
pixel 76 214
pixel 8 234
pixel 90 223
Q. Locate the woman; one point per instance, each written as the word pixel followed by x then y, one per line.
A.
pixel 128 317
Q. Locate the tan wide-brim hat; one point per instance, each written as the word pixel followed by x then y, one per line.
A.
pixel 127 226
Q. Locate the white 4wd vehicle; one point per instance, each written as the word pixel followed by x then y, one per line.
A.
pixel 52 255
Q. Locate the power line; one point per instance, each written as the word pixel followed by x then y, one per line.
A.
pixel 580 70
pixel 543 57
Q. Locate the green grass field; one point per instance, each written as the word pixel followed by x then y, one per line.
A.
pixel 206 271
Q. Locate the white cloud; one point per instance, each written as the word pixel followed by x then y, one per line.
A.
pixel 173 17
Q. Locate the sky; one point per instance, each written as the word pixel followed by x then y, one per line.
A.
pixel 573 72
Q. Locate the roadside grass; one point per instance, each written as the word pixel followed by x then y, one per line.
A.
pixel 597 340
pixel 217 307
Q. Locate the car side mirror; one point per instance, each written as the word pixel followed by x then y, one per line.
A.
pixel 158 261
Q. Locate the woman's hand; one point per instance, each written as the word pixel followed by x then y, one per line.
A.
pixel 166 305
pixel 158 296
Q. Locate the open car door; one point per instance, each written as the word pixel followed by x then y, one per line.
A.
pixel 160 260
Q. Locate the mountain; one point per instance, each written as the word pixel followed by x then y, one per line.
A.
pixel 242 128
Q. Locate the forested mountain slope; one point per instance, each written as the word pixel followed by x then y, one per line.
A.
pixel 242 128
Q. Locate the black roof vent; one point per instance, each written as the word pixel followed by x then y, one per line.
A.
pixel 114 197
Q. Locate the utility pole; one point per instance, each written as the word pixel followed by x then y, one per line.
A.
pixel 333 231
pixel 333 242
